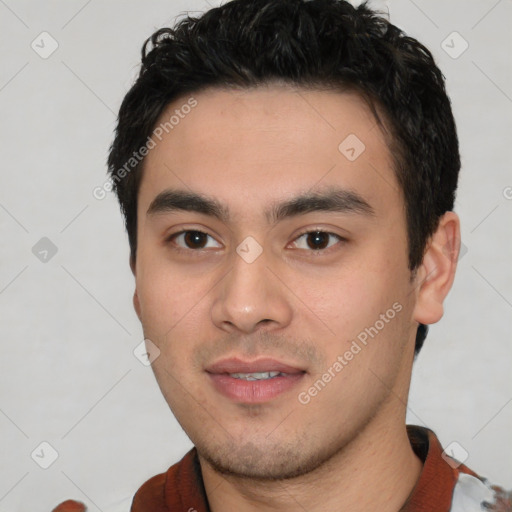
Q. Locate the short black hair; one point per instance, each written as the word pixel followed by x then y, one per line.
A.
pixel 312 44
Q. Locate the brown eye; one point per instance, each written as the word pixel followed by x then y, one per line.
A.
pixel 195 239
pixel 192 239
pixel 317 240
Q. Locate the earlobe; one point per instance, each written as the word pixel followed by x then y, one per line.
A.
pixel 437 271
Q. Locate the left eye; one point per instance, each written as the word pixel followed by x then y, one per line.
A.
pixel 193 240
pixel 317 240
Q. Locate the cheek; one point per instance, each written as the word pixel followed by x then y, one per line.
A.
pixel 347 302
pixel 164 296
pixel 365 302
pixel 174 307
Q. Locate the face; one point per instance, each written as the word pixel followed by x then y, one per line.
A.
pixel 272 276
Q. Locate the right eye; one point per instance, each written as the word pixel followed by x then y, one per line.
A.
pixel 192 240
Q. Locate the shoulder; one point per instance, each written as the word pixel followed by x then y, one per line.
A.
pixel 181 483
pixel 150 494
pixel 474 493
pixel 446 484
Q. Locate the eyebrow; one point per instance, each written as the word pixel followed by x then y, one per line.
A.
pixel 331 200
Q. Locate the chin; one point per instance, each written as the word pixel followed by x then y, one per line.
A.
pixel 272 462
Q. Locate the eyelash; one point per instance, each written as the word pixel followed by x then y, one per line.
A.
pixel 198 252
pixel 320 251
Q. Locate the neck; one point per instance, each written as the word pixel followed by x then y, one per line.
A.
pixel 377 470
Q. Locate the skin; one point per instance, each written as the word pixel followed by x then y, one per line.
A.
pixel 250 149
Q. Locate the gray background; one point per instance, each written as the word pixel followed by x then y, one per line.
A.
pixel 68 375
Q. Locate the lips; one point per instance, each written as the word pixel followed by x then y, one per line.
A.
pixel 236 365
pixel 270 379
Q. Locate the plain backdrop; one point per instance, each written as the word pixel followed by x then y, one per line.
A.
pixel 68 375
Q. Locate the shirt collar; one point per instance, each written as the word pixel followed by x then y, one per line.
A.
pixel 433 491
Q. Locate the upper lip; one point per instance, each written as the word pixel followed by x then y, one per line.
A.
pixel 235 365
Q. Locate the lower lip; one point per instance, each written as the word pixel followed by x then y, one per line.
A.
pixel 254 391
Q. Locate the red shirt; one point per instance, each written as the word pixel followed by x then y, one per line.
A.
pixel 443 486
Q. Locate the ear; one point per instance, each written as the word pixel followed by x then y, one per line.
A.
pixel 136 302
pixel 435 275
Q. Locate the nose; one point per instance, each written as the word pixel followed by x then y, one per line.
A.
pixel 250 298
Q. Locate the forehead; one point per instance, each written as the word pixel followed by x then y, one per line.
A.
pixel 246 146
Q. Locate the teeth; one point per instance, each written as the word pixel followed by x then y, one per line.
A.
pixel 255 376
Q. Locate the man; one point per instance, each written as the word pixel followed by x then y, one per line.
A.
pixel 287 170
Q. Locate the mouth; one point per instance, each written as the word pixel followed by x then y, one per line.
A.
pixel 257 375
pixel 253 381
